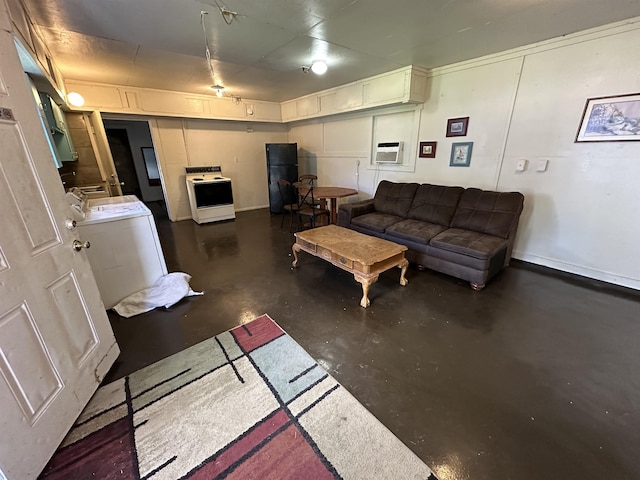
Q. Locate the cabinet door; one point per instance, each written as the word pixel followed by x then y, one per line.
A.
pixel 57 127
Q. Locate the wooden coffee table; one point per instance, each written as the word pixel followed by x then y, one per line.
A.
pixel 364 256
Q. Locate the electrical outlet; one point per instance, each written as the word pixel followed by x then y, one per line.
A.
pixel 521 165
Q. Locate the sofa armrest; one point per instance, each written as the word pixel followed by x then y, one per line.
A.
pixel 348 211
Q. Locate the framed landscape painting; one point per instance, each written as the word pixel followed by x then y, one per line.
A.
pixel 610 119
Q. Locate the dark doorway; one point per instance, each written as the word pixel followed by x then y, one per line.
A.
pixel 139 145
pixel 123 160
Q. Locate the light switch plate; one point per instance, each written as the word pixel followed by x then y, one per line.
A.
pixel 521 166
pixel 542 165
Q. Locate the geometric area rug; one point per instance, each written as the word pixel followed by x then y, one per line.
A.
pixel 249 403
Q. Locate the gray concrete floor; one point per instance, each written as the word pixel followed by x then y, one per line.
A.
pixel 534 377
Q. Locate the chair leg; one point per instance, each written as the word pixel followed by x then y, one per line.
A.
pixel 297 215
pixel 282 219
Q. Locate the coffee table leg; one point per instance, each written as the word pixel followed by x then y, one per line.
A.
pixel 403 266
pixel 295 249
pixel 366 283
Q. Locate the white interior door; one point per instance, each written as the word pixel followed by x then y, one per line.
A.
pixel 56 343
pixel 104 158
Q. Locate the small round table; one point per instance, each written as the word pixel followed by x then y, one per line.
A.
pixel 331 194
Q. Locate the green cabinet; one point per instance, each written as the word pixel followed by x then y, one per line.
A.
pixel 54 118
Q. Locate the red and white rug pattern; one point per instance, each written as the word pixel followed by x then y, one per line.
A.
pixel 247 404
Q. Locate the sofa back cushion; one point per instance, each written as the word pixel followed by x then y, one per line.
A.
pixel 435 203
pixel 493 213
pixel 394 198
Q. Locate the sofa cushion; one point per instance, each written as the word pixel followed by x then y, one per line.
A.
pixel 435 203
pixel 394 198
pixel 466 242
pixel 493 213
pixel 376 221
pixel 415 230
pixel 465 261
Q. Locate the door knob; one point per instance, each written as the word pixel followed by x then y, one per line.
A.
pixel 115 181
pixel 78 245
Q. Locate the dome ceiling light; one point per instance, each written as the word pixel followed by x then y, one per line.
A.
pixel 75 99
pixel 319 67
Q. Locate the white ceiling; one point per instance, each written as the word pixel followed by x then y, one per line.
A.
pixel 161 44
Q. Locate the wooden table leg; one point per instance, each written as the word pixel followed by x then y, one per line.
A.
pixel 295 249
pixel 332 208
pixel 403 266
pixel 366 283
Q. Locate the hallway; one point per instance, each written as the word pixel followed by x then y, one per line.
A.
pixel 534 377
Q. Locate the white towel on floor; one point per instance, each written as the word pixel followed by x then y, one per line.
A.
pixel 166 292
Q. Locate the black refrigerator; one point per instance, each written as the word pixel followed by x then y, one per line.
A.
pixel 282 162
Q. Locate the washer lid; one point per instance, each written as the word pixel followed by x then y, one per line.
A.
pixel 109 212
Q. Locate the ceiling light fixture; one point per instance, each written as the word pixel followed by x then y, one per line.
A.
pixel 227 15
pixel 319 67
pixel 75 99
pixel 219 89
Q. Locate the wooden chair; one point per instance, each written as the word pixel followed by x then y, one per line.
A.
pixel 290 204
pixel 308 207
pixel 309 179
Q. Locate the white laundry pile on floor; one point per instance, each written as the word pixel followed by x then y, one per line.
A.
pixel 166 292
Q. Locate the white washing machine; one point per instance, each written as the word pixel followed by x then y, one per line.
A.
pixel 125 252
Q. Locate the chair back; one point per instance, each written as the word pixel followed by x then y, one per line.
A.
pixel 308 206
pixel 305 195
pixel 308 179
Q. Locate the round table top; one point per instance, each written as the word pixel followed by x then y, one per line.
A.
pixel 329 192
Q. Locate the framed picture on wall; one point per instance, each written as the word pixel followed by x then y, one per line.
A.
pixel 427 149
pixel 461 154
pixel 457 127
pixel 151 165
pixel 610 119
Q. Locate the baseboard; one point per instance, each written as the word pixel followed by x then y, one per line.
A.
pixel 579 270
pixel 578 279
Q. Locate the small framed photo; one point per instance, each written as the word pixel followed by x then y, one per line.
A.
pixel 457 127
pixel 610 119
pixel 461 154
pixel 427 149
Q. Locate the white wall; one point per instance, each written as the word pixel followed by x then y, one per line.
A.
pixel 582 214
pixel 237 147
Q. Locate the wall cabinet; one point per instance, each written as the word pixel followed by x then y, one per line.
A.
pixel 57 127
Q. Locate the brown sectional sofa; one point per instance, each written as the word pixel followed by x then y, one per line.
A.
pixel 467 233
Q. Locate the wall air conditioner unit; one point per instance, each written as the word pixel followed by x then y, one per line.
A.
pixel 389 153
